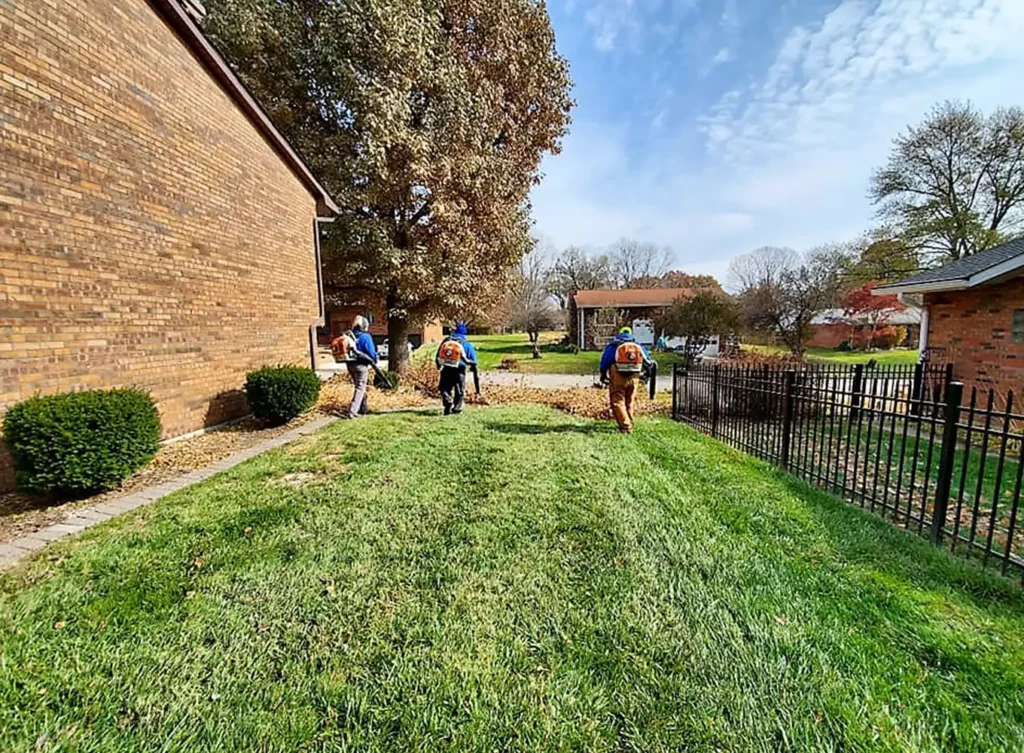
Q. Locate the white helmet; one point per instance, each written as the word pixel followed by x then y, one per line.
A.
pixel 360 323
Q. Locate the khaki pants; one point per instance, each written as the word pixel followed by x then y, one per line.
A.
pixel 620 394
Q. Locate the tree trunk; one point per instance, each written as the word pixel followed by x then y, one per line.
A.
pixel 535 342
pixel 398 336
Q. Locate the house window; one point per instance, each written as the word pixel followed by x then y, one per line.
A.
pixel 1018 325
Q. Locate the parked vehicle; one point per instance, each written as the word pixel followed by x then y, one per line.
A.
pixel 384 349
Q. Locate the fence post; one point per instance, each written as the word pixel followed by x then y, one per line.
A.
pixel 917 389
pixel 714 400
pixel 675 392
pixel 787 416
pixel 954 396
pixel 857 394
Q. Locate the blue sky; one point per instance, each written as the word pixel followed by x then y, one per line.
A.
pixel 717 126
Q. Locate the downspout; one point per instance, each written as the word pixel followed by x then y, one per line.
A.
pixel 320 320
pixel 922 340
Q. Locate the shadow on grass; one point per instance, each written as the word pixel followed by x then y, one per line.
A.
pixel 595 427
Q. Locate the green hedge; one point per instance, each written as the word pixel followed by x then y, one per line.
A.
pixel 280 393
pixel 81 442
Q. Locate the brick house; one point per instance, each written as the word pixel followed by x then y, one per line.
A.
pixel 157 230
pixel 595 315
pixel 832 327
pixel 973 316
pixel 339 319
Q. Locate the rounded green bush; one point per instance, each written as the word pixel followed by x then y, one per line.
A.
pixel 81 442
pixel 280 393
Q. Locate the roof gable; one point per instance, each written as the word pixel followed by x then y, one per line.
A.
pixel 968 272
pixel 630 297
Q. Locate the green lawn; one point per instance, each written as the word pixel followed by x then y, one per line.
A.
pixel 824 355
pixel 515 579
pixel 492 349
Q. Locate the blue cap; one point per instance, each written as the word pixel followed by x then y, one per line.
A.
pixel 460 329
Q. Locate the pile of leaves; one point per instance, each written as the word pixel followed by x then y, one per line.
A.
pixel 580 401
pixel 336 396
pixel 757 358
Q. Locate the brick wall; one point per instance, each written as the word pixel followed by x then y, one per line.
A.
pixel 972 329
pixel 832 335
pixel 829 335
pixel 340 319
pixel 149 235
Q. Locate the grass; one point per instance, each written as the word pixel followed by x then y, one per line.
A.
pixel 921 459
pixel 516 579
pixel 824 355
pixel 493 349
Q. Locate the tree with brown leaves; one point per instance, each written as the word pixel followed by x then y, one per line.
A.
pixel 427 120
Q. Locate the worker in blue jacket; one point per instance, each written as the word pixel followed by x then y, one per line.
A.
pixel 362 360
pixel 622 363
pixel 454 355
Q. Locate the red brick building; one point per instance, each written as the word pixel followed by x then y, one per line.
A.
pixel 155 228
pixel 339 319
pixel 833 327
pixel 973 316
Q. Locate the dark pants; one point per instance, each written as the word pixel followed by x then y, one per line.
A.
pixel 452 386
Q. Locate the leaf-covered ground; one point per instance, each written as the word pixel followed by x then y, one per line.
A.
pixel 510 579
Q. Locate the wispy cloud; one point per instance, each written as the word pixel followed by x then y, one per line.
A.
pixel 782 152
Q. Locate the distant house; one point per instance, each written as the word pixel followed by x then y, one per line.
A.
pixel 831 328
pixel 594 316
pixel 159 231
pixel 973 315
pixel 340 316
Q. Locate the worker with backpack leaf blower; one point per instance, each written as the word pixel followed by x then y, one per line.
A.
pixel 359 354
pixel 623 363
pixel 454 355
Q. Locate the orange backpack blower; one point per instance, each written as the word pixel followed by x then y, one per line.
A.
pixel 629 358
pixel 450 354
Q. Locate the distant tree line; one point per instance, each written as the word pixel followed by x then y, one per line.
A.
pixel 951 187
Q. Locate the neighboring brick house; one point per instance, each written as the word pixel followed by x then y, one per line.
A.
pixel 973 316
pixel 595 315
pixel 833 327
pixel 156 230
pixel 339 319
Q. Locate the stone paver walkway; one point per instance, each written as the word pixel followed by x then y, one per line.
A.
pixel 86 517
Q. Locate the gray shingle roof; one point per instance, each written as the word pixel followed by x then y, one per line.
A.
pixel 967 267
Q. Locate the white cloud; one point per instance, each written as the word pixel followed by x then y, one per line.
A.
pixel 617 24
pixel 786 158
pixel 825 79
pixel 724 55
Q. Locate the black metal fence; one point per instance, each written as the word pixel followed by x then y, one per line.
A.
pixel 905 442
